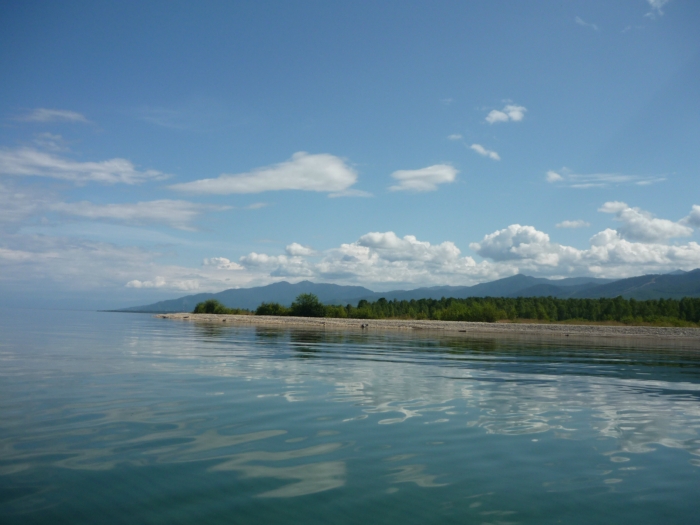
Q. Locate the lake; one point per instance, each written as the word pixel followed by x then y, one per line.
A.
pixel 124 418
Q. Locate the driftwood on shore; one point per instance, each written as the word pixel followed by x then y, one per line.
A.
pixel 687 335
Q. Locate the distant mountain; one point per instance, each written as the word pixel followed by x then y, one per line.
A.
pixel 675 285
pixel 250 298
pixel 669 286
pixel 284 293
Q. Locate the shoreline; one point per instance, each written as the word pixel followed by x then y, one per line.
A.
pixel 687 335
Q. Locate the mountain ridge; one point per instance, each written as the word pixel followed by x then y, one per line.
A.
pixel 673 285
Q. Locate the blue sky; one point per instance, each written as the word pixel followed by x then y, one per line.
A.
pixel 154 149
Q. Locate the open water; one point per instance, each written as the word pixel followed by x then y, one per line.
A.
pixel 123 418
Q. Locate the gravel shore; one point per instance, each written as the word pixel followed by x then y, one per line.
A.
pixel 687 335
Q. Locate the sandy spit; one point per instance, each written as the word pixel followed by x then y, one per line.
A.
pixel 689 335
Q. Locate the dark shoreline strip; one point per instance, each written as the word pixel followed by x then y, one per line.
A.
pixel 691 335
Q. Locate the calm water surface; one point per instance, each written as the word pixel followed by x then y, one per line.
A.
pixel 118 418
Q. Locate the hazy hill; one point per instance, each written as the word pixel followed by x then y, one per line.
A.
pixel 250 298
pixel 675 285
pixel 284 293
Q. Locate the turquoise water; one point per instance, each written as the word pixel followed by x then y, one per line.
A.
pixel 118 418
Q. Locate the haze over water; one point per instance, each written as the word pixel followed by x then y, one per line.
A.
pixel 119 418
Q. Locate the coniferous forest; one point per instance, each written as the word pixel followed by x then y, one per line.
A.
pixel 673 312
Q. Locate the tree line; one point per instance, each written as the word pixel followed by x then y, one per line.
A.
pixel 488 309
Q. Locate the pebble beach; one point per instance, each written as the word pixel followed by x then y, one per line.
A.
pixel 687 336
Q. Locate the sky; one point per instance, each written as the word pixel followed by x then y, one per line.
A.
pixel 150 150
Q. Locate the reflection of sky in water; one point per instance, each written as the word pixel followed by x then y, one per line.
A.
pixel 578 402
pixel 292 414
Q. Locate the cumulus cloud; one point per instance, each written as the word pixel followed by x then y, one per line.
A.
pixel 161 282
pixel 409 248
pixel 693 219
pixel 615 255
pixel 297 249
pixel 583 23
pixel 639 225
pixel 454 136
pixel 379 260
pixel 510 112
pixel 32 162
pixel 53 115
pixel 175 213
pixel 518 242
pixel 278 265
pixel 306 172
pixel 425 179
pixel 485 152
pixel 565 177
pixel 221 263
pixel 158 282
pixel 609 254
pixel 573 224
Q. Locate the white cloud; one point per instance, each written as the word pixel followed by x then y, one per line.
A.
pixel 454 136
pixel 7 254
pixel 553 176
pixel 693 219
pixel 21 203
pixel 518 242
pixel 485 152
pixel 565 177
pixel 273 266
pixel 510 112
pixel 393 248
pixel 175 213
pixel 639 225
pixel 17 204
pixel 297 249
pixel 53 115
pixel 609 255
pixel 256 206
pixel 352 192
pixel 656 8
pixel 158 282
pixel 40 263
pixel 573 224
pixel 379 260
pixel 321 172
pixel 425 179
pixel 50 141
pixel 620 257
pixel 222 263
pixel 583 23
pixel 32 162
pixel 613 207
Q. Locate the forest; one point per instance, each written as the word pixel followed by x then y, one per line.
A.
pixel 673 312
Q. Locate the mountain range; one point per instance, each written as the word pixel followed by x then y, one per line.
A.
pixel 674 285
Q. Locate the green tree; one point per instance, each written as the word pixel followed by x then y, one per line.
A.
pixel 271 309
pixel 307 305
pixel 211 306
